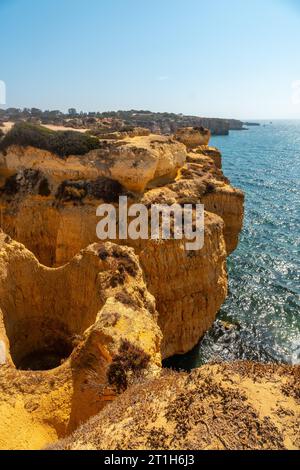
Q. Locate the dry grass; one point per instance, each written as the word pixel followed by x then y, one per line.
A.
pixel 235 406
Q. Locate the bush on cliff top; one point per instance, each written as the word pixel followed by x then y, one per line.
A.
pixel 62 143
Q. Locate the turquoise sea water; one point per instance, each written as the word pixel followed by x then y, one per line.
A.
pixel 264 272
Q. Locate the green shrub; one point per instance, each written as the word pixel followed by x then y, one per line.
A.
pixel 27 134
pixel 129 359
pixel 65 143
pixel 62 143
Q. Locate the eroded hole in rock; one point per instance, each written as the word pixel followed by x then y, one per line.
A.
pixel 45 359
pixel 47 312
pixel 39 344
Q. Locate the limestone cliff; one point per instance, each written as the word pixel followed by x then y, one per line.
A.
pixel 134 163
pixel 49 204
pixel 71 338
pixel 240 406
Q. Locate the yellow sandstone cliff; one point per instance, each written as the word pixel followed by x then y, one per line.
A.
pixel 81 322
pixel 49 204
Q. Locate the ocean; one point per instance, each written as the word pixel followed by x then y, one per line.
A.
pixel 263 306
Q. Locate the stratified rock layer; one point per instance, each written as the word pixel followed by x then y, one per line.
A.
pixel 64 333
pixel 241 406
pixel 193 137
pixel 134 163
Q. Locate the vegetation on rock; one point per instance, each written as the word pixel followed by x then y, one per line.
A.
pixel 111 121
pixel 239 406
pixel 62 143
pixel 102 188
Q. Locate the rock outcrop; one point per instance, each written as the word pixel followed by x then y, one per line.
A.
pixel 133 163
pixel 71 338
pixel 52 210
pixel 239 406
pixel 123 134
pixel 82 322
pixel 236 125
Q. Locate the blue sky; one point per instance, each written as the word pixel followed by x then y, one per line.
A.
pixel 218 58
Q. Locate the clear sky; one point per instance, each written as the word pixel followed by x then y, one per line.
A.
pixel 218 58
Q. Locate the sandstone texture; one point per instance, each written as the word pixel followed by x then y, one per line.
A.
pixel 49 204
pixel 133 163
pixel 64 333
pixel 80 321
pixel 85 324
pixel 193 137
pixel 239 406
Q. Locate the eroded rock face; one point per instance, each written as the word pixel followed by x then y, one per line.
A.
pixel 212 152
pixel 94 319
pixel 193 137
pixel 71 338
pixel 134 163
pixel 216 193
pixel 240 406
pixel 189 287
pixel 123 134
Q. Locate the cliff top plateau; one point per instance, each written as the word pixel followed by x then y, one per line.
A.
pixel 164 123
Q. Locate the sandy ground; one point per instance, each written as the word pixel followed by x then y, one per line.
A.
pixel 62 128
pixel 238 406
pixel 8 125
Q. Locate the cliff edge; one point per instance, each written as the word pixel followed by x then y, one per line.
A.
pixel 239 406
pixel 48 202
pixel 80 321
